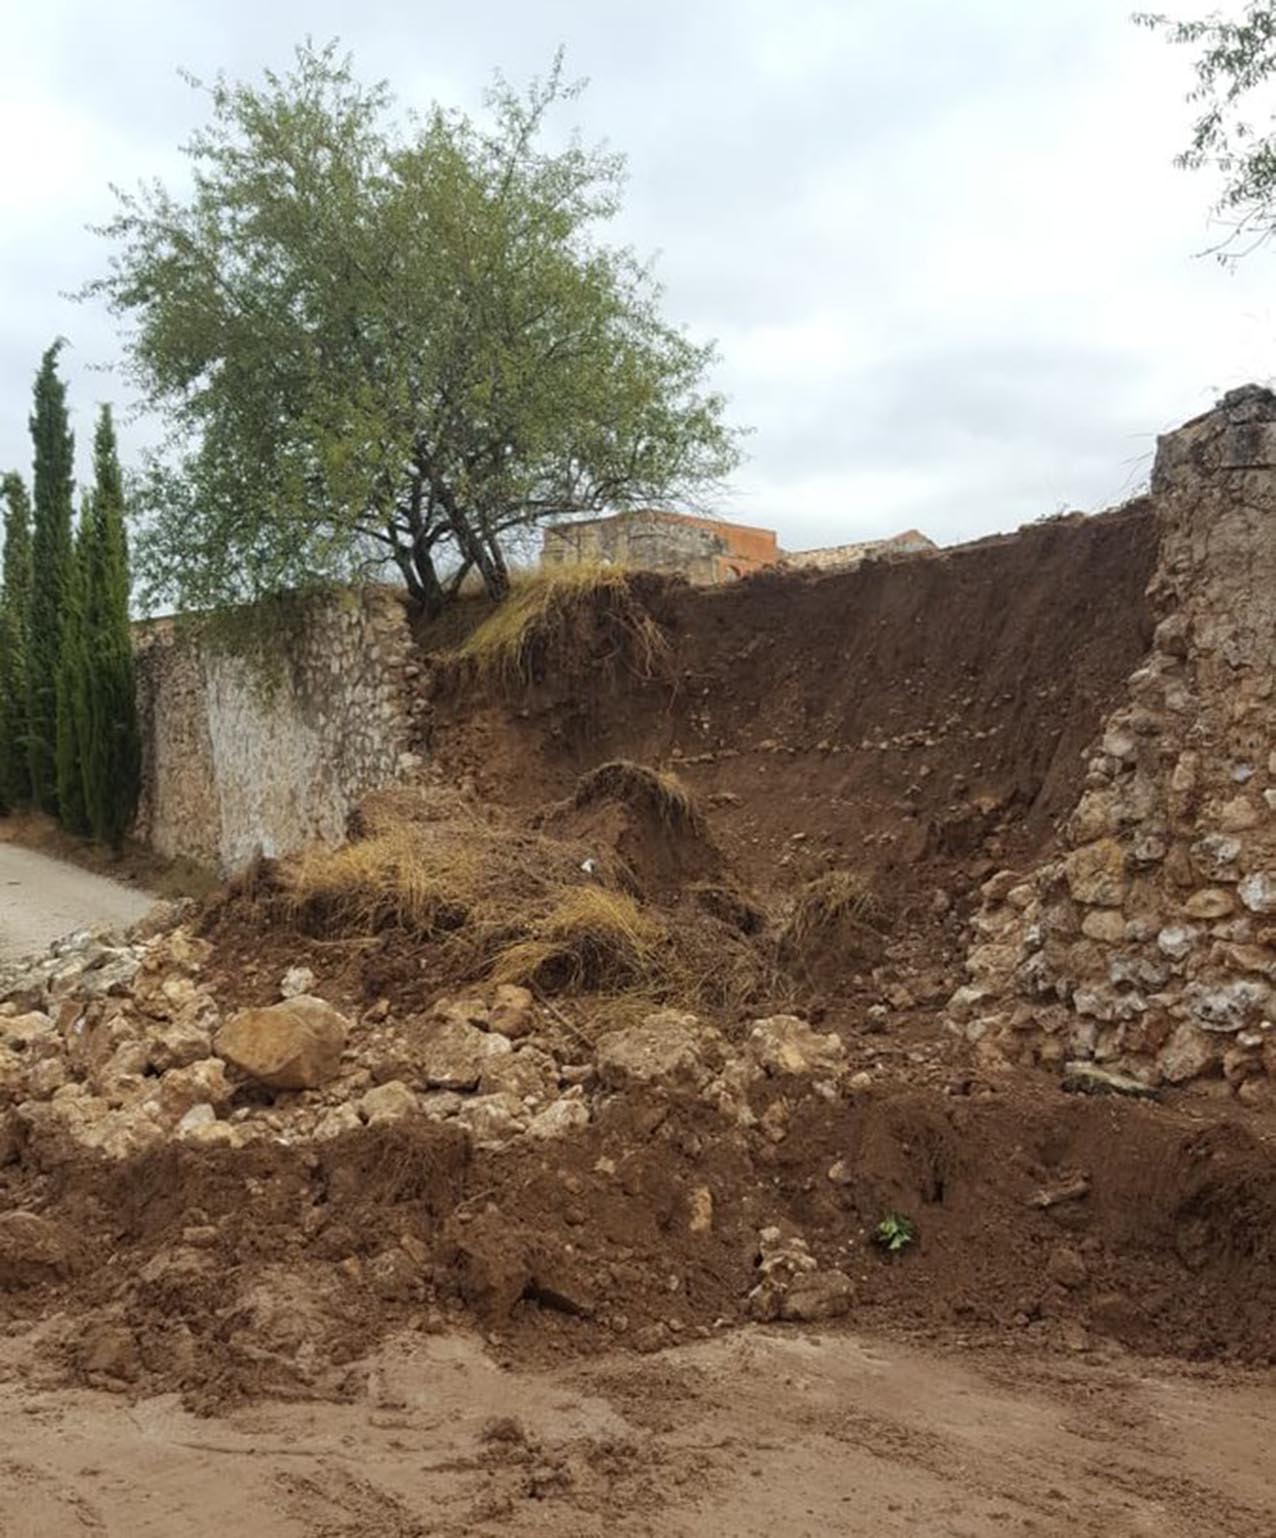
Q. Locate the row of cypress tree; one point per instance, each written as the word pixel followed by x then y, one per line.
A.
pixel 69 742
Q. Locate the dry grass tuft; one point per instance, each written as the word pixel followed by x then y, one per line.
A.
pixel 829 905
pixel 387 881
pixel 551 612
pixel 836 911
pixel 427 862
pixel 592 939
pixel 660 794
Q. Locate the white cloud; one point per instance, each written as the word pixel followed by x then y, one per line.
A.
pixel 953 271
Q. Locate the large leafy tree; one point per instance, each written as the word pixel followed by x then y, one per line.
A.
pixel 376 345
pixel 1234 131
pixel 15 603
pixel 52 561
pixel 106 710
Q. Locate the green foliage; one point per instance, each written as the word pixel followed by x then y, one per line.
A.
pixel 69 683
pixel 1234 60
pixel 15 602
pixel 105 703
pixel 374 345
pixel 52 562
pixel 895 1233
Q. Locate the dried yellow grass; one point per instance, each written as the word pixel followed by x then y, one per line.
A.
pixel 656 791
pixel 545 608
pixel 830 901
pixel 392 880
pixel 592 938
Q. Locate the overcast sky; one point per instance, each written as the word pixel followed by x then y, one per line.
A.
pixel 955 278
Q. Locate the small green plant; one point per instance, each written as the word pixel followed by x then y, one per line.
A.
pixel 895 1232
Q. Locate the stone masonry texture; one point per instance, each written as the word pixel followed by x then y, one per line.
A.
pixel 235 764
pixel 1148 946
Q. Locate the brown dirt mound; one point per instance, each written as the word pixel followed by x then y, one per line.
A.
pixel 1162 1238
pixel 648 819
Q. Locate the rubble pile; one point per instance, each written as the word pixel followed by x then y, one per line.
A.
pixel 115 1047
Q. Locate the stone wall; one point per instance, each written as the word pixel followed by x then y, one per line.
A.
pixel 235 763
pixel 1149 945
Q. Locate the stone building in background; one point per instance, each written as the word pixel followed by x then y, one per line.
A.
pixel 707 551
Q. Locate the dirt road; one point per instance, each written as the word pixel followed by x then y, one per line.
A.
pixel 42 899
pixel 780 1435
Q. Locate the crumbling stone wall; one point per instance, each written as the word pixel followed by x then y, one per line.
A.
pixel 235 763
pixel 1149 945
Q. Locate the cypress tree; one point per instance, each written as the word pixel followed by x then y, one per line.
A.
pixel 15 601
pixel 70 740
pixel 52 559
pixel 110 739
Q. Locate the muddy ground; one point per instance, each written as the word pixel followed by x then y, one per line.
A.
pixel 755 1433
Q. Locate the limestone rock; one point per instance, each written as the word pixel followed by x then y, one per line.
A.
pixel 293 1045
pixel 783 1044
pixel 527 1073
pixel 1096 874
pixel 1209 903
pixel 991 965
pixel 819 1295
pixel 664 1050
pixel 198 1116
pixel 1226 1006
pixel 13 1075
pixel 456 1054
pixel 493 1118
pixel 338 1121
pixel 295 982
pixel 1239 815
pixel 966 1001
pixel 200 1083
pixel 700 1210
pixel 24 1032
pixel 211 1134
pixel 1105 925
pixel 1258 891
pixel 512 1011
pixel 1214 856
pixel 792 1285
pixel 1189 1053
pixel 390 1102
pixel 559 1120
pixel 180 1042
pixel 1177 940
pixel 34 1250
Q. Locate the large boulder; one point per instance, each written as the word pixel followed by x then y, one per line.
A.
pixel 293 1045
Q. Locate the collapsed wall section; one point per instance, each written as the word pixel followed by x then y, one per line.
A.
pixel 1149 944
pixel 239 761
pixel 915 717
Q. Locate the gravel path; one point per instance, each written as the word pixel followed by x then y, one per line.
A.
pixel 43 899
